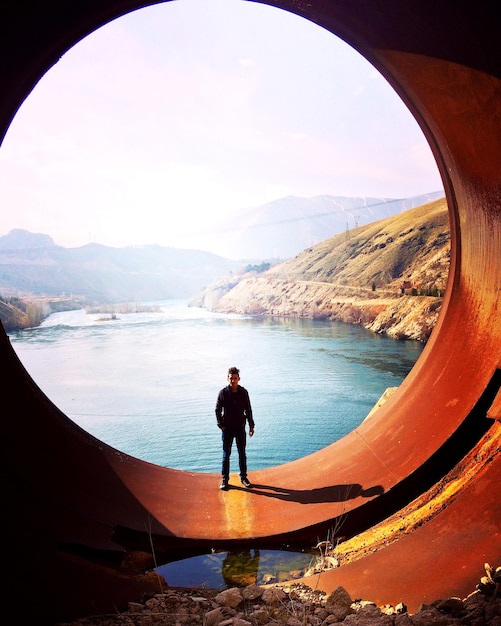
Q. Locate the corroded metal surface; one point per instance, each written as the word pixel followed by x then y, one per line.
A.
pixel 80 515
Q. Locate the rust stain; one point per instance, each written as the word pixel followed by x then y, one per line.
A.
pixel 238 512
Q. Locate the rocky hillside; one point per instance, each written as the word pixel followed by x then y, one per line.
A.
pixel 389 276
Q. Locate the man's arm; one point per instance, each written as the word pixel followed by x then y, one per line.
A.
pixel 219 410
pixel 248 413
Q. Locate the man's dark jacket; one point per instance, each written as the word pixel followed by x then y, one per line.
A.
pixel 233 409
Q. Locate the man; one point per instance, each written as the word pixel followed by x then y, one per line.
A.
pixel 233 410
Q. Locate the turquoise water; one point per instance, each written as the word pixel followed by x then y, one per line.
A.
pixel 146 383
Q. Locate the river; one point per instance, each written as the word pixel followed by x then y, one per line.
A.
pixel 146 383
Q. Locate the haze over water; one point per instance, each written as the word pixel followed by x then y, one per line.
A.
pixel 146 383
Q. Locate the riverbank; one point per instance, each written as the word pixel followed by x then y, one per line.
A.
pixel 397 315
pixel 20 313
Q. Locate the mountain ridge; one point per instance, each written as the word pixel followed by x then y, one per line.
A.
pixel 98 273
pixel 284 227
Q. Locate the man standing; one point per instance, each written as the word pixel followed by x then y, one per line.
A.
pixel 233 409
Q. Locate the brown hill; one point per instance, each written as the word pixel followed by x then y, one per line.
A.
pixel 389 276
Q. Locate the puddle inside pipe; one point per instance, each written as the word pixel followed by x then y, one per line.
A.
pixel 222 570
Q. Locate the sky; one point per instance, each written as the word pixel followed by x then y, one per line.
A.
pixel 165 121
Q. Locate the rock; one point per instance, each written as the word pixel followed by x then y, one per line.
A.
pixel 260 616
pixel 430 616
pixel 403 620
pixel 451 606
pixel 239 621
pixel 492 613
pixel 274 595
pixel 487 586
pixel 268 579
pixel 230 597
pixel 214 617
pixel 368 615
pixel 474 600
pixel 359 604
pixel 339 603
pixel 387 609
pixel 330 619
pixel 252 592
pixel 400 608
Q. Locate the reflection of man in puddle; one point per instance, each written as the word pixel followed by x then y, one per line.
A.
pixel 240 568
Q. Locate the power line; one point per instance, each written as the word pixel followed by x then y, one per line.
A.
pixel 303 217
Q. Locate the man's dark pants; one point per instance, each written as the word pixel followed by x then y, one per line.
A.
pixel 240 437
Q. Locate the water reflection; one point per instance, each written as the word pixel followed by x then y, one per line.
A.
pixel 240 568
pixel 221 570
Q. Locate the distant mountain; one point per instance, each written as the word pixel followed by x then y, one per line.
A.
pixel 33 264
pixel 19 239
pixel 283 228
pixel 389 276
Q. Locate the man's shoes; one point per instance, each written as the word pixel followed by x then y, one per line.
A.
pixel 224 484
pixel 245 482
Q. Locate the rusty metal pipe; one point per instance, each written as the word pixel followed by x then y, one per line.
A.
pixel 80 511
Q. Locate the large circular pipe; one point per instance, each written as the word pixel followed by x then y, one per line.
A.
pixel 78 514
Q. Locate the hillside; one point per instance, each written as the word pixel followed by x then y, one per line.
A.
pixel 389 276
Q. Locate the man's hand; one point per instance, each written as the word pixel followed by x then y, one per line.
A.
pixel 251 432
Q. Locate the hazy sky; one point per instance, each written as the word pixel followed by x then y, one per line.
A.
pixel 176 115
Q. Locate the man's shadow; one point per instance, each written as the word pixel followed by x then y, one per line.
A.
pixel 334 493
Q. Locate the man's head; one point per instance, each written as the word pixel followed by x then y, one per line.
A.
pixel 233 377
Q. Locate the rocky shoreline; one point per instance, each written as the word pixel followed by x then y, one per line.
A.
pixel 399 316
pixel 30 311
pixel 294 604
